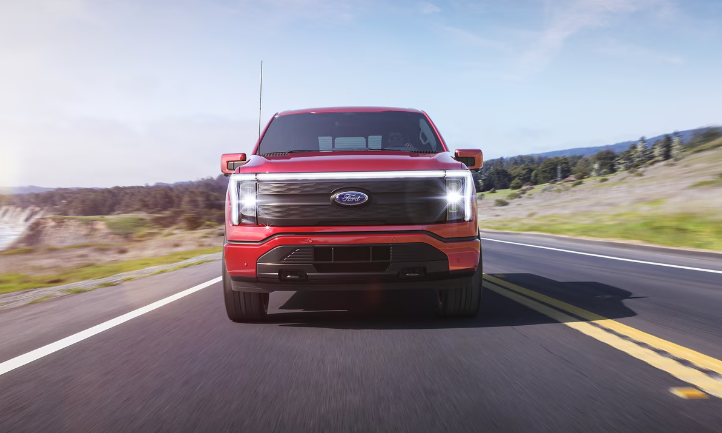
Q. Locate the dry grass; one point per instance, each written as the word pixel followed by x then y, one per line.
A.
pixel 12 282
pixel 674 205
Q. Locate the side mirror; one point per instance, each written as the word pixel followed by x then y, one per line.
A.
pixel 472 158
pixel 231 161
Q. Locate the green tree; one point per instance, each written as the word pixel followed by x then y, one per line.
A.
pixel 641 152
pixel 535 177
pixel 500 177
pixel 547 171
pixel 552 168
pixel 625 160
pixel 582 168
pixel 664 150
pixel 516 184
pixel 676 144
pixel 522 172
pixel 604 162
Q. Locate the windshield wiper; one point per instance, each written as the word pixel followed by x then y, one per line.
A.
pixel 408 150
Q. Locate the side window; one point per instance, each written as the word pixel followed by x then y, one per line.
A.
pixel 426 135
pixel 374 142
pixel 325 143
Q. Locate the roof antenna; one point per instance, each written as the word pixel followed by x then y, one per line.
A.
pixel 260 103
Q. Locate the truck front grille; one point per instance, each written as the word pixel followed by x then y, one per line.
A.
pixel 391 202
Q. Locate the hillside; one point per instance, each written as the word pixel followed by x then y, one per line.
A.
pixel 56 250
pixel 616 148
pixel 668 203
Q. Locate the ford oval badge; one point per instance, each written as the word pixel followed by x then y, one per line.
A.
pixel 350 198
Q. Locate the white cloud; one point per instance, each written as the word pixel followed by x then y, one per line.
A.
pixel 567 18
pixel 429 8
pixel 634 53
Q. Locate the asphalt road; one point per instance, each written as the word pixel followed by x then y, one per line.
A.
pixel 367 362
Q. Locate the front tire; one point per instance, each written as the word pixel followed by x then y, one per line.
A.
pixel 243 306
pixel 462 301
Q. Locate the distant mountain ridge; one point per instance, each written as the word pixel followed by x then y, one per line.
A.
pixel 617 147
pixel 32 189
pixel 29 189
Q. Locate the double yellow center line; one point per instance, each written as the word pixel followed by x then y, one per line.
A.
pixel 683 363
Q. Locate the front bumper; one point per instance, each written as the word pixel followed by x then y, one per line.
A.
pixel 377 261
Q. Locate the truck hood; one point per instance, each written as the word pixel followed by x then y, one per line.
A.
pixel 314 162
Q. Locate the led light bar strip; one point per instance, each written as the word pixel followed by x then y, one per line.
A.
pixel 352 175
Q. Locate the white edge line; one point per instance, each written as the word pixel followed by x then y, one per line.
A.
pixel 689 268
pixel 46 350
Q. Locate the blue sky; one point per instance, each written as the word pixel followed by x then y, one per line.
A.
pixel 127 92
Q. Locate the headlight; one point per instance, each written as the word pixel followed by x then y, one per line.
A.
pixel 242 190
pixel 459 195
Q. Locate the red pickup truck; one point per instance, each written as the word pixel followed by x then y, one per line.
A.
pixel 351 198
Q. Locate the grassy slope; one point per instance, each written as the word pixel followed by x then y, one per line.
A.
pixel 674 230
pixel 684 211
pixel 15 282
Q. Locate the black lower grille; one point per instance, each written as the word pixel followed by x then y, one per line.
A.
pixel 326 268
pixel 390 260
pixel 352 254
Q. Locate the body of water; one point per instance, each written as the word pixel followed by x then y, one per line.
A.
pixel 7 235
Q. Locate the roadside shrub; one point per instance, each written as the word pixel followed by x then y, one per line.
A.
pixel 146 235
pixel 604 179
pixel 632 170
pixel 714 182
pixel 639 174
pixel 653 161
pixel 126 226
pixel 54 280
pixel 216 216
pixel 122 250
pixel 513 195
pixel 164 221
pixel 578 182
pixel 501 202
pixel 516 184
pixel 192 222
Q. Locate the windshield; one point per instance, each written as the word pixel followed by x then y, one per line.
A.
pixel 389 130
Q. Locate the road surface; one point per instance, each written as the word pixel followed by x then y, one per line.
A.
pixel 565 342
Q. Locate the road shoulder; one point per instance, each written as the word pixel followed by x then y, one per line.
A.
pixel 625 244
